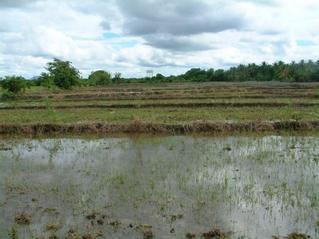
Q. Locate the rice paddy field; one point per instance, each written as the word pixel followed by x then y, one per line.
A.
pixel 166 104
pixel 186 160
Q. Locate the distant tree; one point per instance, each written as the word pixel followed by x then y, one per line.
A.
pixel 315 74
pixel 195 74
pixel 159 77
pixel 62 73
pixel 100 77
pixel 117 77
pixel 210 74
pixel 220 75
pixel 14 84
pixel 46 80
pixel 278 71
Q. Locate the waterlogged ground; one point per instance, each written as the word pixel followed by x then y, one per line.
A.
pixel 166 187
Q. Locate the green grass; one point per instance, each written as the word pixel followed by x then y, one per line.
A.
pixel 158 115
pixel 50 102
pixel 273 93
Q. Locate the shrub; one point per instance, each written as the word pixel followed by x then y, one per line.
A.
pixel 14 84
pixel 100 78
pixel 8 96
pixel 46 81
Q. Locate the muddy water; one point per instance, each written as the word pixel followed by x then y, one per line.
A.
pixel 245 187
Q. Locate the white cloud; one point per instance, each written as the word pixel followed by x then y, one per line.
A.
pixel 169 37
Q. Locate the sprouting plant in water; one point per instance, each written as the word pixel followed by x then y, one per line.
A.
pixel 314 201
pixel 226 181
pixel 13 233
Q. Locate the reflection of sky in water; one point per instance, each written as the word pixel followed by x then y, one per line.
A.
pixel 252 186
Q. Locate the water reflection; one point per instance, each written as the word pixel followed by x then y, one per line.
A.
pixel 249 186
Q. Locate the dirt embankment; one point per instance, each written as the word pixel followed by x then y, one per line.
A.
pixel 165 97
pixel 158 128
pixel 159 105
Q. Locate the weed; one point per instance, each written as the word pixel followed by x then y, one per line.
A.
pixel 22 219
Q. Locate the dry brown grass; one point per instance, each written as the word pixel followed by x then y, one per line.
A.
pixel 162 105
pixel 157 128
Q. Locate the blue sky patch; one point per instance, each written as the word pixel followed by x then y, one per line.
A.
pixel 305 43
pixel 125 44
pixel 111 35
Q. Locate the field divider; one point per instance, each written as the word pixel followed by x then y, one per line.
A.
pixel 160 105
pixel 165 97
pixel 207 127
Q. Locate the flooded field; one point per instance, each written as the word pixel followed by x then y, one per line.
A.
pixel 160 187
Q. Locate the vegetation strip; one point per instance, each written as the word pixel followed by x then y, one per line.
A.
pixel 92 97
pixel 159 105
pixel 147 127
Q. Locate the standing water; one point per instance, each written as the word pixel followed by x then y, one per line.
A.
pixel 162 187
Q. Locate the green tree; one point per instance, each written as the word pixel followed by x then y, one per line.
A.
pixel 62 73
pixel 195 74
pixel 46 80
pixel 100 77
pixel 159 77
pixel 14 84
pixel 117 77
pixel 220 75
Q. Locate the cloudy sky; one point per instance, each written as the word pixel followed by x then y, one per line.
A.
pixel 132 36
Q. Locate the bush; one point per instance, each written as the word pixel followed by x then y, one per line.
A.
pixel 8 96
pixel 46 81
pixel 14 84
pixel 100 78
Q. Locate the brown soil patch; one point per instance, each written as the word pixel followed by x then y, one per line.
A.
pixel 215 234
pixel 22 219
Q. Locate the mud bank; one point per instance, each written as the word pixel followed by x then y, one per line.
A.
pixel 159 105
pixel 158 128
pixel 166 96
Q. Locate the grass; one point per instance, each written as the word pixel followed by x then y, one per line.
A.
pixel 64 102
pixel 158 115
pixel 220 88
pixel 254 102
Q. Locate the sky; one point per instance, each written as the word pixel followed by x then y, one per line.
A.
pixel 166 36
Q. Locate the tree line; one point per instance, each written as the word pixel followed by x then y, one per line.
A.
pixel 64 75
pixel 279 71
